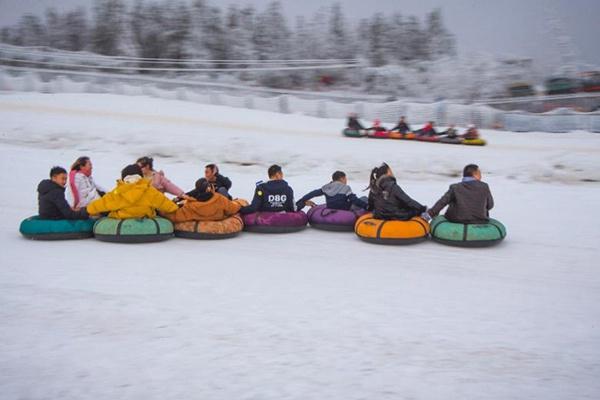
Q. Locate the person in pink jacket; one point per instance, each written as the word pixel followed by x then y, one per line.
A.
pixel 158 178
pixel 81 184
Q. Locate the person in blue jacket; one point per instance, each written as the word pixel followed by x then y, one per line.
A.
pixel 338 195
pixel 272 196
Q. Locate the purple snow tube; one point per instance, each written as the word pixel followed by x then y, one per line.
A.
pixel 275 222
pixel 321 217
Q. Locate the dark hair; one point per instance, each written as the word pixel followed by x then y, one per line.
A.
pixel 273 170
pixel 80 162
pixel 132 169
pixel 377 173
pixel 337 175
pixel 146 162
pixel 470 170
pixel 213 167
pixel 202 184
pixel 57 171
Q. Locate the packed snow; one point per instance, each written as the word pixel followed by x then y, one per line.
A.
pixel 311 315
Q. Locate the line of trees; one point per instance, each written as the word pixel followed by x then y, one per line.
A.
pixel 197 29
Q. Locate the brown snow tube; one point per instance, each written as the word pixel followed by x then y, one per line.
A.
pixel 207 230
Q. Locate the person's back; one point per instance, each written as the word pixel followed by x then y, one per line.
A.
pixel 134 197
pixel 272 196
pixel 387 200
pixel 52 203
pixel 338 195
pixel 471 133
pixel 468 201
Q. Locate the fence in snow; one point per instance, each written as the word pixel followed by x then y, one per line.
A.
pixel 311 104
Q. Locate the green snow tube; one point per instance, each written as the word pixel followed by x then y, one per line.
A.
pixel 56 229
pixel 353 133
pixel 467 235
pixel 134 230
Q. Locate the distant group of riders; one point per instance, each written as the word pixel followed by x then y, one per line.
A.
pixel 428 130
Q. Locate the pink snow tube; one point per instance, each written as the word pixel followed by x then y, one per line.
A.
pixel 329 219
pixel 275 222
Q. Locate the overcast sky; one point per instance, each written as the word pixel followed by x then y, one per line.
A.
pixel 502 27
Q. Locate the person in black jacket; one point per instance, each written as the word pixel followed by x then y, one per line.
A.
pixel 402 126
pixel 51 198
pixel 387 200
pixel 354 123
pixel 273 196
pixel 221 183
pixel 338 195
pixel 468 201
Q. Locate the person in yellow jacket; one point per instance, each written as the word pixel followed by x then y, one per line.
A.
pixel 134 197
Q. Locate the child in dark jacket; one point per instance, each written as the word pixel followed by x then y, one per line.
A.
pixel 338 195
pixel 51 198
pixel 221 183
pixel 272 196
pixel 387 200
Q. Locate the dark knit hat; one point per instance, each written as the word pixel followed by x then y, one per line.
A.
pixel 132 169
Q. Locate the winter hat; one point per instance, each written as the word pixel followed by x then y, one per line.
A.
pixel 132 169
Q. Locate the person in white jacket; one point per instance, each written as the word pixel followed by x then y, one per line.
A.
pixel 83 188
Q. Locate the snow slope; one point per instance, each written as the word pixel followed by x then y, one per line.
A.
pixel 311 315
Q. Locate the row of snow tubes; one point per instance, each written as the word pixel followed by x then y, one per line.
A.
pixel 366 227
pixel 411 136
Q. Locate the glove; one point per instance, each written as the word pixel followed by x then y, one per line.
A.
pixel 426 216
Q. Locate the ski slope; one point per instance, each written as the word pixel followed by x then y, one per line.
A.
pixel 312 315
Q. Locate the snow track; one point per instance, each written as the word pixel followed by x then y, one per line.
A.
pixel 311 315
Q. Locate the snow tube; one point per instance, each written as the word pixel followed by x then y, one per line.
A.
pixel 467 235
pixel 381 231
pixel 56 229
pixel 378 134
pixel 474 142
pixel 227 228
pixel 133 230
pixel 448 140
pixel 275 222
pixel 400 135
pixel 353 133
pixel 328 219
pixel 433 139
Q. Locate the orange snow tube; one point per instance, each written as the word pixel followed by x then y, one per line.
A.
pixel 227 228
pixel 382 231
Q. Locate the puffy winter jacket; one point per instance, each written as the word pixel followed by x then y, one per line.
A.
pixel 52 203
pixel 132 200
pixel 337 196
pixel 162 184
pixel 388 201
pixel 468 202
pixel 83 189
pixel 275 195
pixel 216 207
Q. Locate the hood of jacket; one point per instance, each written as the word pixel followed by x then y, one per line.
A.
pixel 132 192
pixel 335 188
pixel 47 185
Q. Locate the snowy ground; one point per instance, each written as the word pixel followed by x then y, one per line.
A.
pixel 312 315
